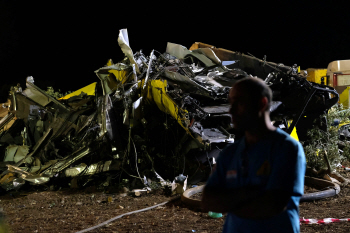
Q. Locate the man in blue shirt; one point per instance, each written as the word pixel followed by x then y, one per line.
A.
pixel 259 179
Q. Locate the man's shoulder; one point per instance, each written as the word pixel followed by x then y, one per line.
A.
pixel 284 138
pixel 286 144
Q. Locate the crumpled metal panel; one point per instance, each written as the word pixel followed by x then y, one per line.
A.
pixel 89 90
pixel 181 52
pixel 36 94
pixel 157 93
pixel 15 153
pixel 84 169
pixel 33 178
pixel 63 164
pixel 112 76
pixel 105 121
pixel 7 122
pixel 36 147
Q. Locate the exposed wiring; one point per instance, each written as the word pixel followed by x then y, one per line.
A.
pixel 163 56
pixel 137 169
pixel 129 174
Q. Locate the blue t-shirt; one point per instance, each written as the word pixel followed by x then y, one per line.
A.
pixel 276 162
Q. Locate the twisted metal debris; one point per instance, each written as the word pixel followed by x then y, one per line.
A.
pixel 146 113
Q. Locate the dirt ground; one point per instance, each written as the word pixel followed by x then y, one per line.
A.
pixel 332 207
pixel 73 210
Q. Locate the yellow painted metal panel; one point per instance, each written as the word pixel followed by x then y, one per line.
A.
pixel 156 92
pixel 344 98
pixel 121 75
pixel 294 134
pixel 89 90
pixel 109 62
pixel 315 75
pixel 343 123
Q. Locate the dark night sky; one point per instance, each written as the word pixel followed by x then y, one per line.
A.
pixel 61 45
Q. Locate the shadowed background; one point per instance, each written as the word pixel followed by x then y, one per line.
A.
pixel 62 44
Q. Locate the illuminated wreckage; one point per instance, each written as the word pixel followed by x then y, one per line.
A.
pixel 164 112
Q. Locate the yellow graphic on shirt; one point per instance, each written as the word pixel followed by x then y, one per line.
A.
pixel 265 169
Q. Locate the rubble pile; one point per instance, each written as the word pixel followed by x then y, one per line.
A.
pixel 148 116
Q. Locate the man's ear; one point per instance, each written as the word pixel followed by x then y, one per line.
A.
pixel 264 104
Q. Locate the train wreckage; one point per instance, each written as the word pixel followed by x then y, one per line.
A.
pixel 148 116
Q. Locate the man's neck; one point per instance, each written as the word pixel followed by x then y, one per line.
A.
pixel 260 131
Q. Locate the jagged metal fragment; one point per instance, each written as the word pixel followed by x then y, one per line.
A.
pixel 33 178
pixel 114 75
pixel 15 153
pixel 123 41
pixel 36 147
pixel 148 69
pixel 181 52
pixel 36 94
pixel 63 164
pixel 84 169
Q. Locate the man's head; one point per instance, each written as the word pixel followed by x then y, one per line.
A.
pixel 250 100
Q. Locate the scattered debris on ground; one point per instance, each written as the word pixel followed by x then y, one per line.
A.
pixel 77 209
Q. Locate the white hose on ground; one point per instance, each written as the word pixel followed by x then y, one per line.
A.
pixel 122 215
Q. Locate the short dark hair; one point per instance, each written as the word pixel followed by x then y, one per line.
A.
pixel 255 88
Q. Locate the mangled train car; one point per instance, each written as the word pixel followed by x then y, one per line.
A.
pixel 159 115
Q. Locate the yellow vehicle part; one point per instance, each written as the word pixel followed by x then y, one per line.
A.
pixel 343 123
pixel 121 75
pixel 315 75
pixel 157 93
pixel 6 179
pixel 344 98
pixel 109 62
pixel 89 90
pixel 294 132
